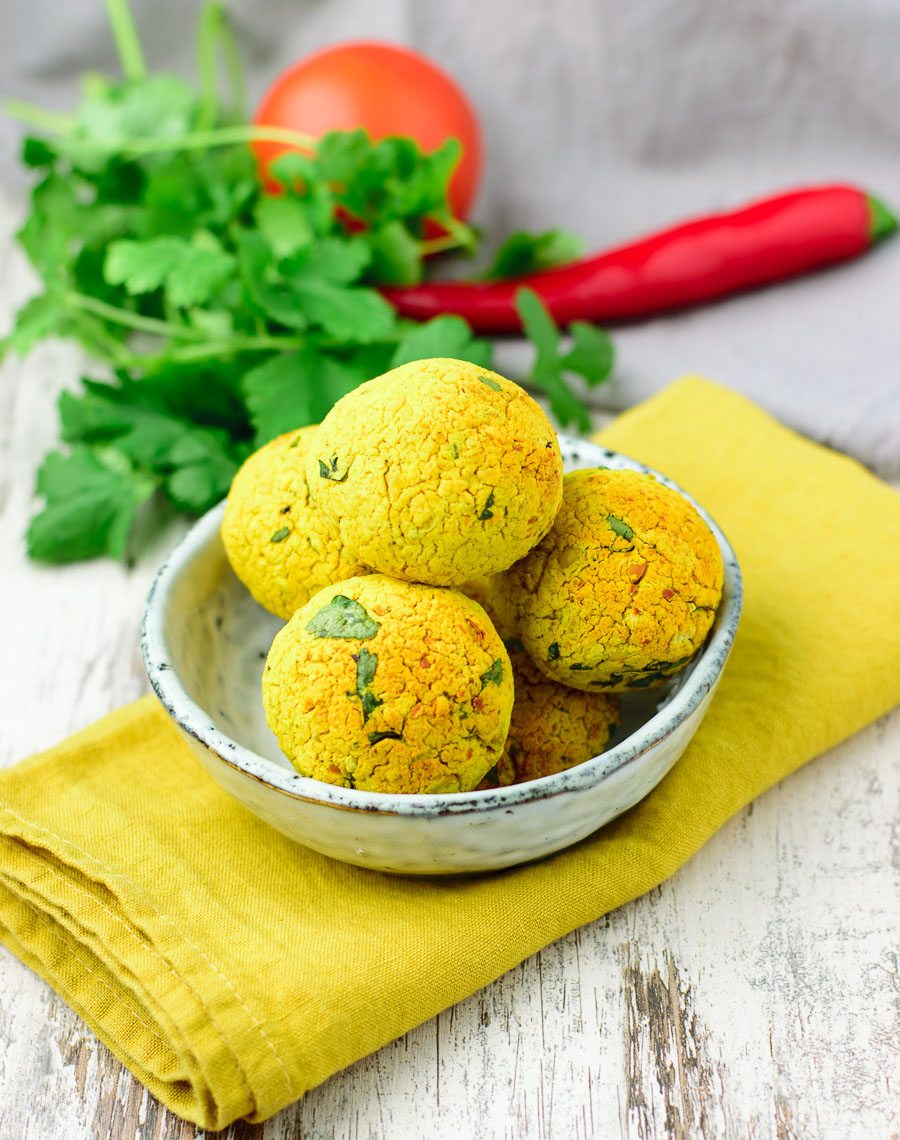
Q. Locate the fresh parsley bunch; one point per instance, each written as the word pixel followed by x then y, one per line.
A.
pixel 224 314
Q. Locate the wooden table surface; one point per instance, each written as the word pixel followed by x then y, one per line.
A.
pixel 752 995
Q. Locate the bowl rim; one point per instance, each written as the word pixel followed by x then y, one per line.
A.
pixel 192 719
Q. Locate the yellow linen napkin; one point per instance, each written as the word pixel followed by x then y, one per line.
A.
pixel 231 970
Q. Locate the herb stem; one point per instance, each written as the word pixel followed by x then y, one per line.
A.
pixel 196 140
pixel 201 140
pixel 201 349
pixel 93 344
pixel 207 73
pixel 131 320
pixel 439 244
pixel 128 45
pixel 106 347
pixel 235 345
pixel 35 116
pixel 463 234
pixel 233 67
pixel 214 350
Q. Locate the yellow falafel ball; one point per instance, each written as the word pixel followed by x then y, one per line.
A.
pixel 437 471
pixel 553 727
pixel 491 592
pixel 389 686
pixel 278 544
pixel 623 590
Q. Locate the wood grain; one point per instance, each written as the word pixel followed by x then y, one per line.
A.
pixel 752 995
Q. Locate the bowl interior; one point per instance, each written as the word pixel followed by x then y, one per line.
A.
pixel 218 642
pixel 206 641
pixel 219 646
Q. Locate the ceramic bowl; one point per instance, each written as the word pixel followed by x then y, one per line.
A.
pixel 205 642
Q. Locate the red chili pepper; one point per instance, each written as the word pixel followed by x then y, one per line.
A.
pixel 695 261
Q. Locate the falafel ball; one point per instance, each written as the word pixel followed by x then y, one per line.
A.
pixel 553 727
pixel 623 590
pixel 390 686
pixel 278 544
pixel 491 592
pixel 437 471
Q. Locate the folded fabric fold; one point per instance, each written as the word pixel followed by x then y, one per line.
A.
pixel 231 970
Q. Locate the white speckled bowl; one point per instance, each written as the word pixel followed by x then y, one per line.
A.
pixel 205 641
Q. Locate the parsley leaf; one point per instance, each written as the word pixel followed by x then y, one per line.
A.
pixel 37 152
pixel 200 468
pixel 112 115
pixel 91 503
pixel 590 357
pixel 523 253
pixel 622 529
pixel 39 317
pixel 396 255
pixel 388 734
pixel 345 312
pixel 278 397
pixel 194 465
pixel 190 271
pixel 296 389
pixel 344 618
pixel 443 336
pixel 265 293
pixel 198 276
pixel 283 222
pixel 592 354
pixel 366 664
pixel 142 266
pixel 494 675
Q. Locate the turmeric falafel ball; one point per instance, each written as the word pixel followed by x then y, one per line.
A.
pixel 623 590
pixel 553 728
pixel 437 471
pixel 389 686
pixel 278 544
pixel 491 592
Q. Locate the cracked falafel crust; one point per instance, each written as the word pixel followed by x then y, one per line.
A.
pixel 553 728
pixel 278 544
pixel 389 686
pixel 437 472
pixel 623 590
pixel 491 592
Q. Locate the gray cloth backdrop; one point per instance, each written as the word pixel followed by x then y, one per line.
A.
pixel 610 118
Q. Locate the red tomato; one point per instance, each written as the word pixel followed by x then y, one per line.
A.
pixel 386 90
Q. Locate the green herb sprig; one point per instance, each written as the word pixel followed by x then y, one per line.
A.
pixel 590 356
pixel 223 314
